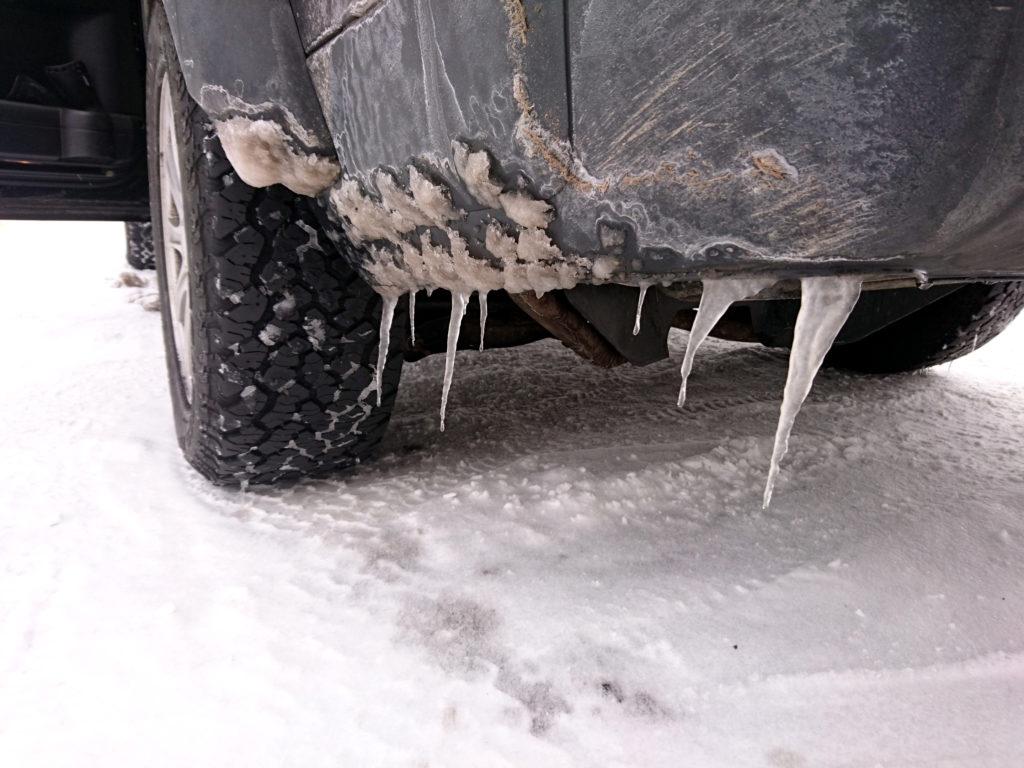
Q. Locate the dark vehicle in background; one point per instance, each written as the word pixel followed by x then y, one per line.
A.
pixel 312 167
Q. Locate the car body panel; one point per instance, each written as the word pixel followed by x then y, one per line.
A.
pixel 659 140
pixel 319 20
pixel 801 138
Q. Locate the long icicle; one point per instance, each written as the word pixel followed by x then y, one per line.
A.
pixel 717 295
pixel 825 303
pixel 387 314
pixel 481 297
pixel 412 317
pixel 640 307
pixel 459 301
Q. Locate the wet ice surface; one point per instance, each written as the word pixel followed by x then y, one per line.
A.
pixel 575 573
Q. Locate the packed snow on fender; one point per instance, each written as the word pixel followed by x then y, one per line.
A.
pixel 575 573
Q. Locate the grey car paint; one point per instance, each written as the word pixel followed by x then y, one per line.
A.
pixel 671 137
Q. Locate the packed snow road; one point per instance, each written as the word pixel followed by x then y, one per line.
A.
pixel 575 573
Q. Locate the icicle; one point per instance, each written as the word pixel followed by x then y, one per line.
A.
pixel 412 317
pixel 640 307
pixel 387 314
pixel 716 297
pixel 482 298
pixel 459 301
pixel 825 303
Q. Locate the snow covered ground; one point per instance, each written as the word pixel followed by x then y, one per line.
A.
pixel 575 573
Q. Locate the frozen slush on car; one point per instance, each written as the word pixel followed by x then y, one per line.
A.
pixel 339 186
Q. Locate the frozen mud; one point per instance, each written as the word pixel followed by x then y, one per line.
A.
pixel 417 241
pixel 263 154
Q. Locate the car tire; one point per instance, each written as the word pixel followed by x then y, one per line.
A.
pixel 271 337
pixel 138 237
pixel 951 327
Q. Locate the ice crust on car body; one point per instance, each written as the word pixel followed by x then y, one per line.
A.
pixel 520 256
pixel 416 239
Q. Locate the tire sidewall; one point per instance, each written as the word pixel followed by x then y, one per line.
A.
pixel 252 249
pixel 162 60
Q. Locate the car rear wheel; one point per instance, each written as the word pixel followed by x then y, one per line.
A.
pixel 138 237
pixel 951 327
pixel 271 338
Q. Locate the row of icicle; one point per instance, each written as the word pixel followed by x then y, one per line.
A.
pixel 459 303
pixel 826 303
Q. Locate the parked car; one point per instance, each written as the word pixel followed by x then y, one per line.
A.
pixel 323 174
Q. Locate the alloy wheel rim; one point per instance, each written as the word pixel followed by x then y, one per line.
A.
pixel 177 262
